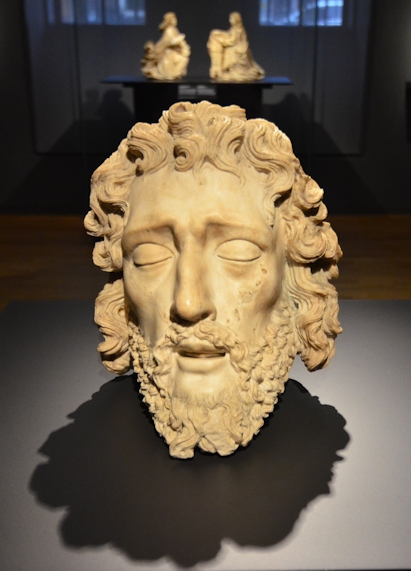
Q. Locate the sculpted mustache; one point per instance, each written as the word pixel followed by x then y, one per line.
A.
pixel 213 333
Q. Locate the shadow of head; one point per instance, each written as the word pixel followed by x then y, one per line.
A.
pixel 112 473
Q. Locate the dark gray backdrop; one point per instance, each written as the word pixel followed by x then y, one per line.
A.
pixel 87 484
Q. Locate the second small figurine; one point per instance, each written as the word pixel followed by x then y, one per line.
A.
pixel 230 53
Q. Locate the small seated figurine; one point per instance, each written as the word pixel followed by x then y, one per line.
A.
pixel 168 58
pixel 221 261
pixel 230 54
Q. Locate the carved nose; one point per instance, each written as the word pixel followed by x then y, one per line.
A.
pixel 192 299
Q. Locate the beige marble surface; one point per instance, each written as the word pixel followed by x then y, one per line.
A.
pixel 221 264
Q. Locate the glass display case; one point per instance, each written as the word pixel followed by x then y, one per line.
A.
pixel 74 45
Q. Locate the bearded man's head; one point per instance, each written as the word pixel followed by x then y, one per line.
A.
pixel 221 264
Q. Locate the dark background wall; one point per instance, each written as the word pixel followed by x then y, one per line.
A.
pixel 379 178
pixel 346 112
pixel 29 181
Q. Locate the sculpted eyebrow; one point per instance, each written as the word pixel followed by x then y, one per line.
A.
pixel 140 235
pixel 239 232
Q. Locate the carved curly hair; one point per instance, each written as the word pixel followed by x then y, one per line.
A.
pixel 191 135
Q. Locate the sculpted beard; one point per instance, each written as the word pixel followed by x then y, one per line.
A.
pixel 230 416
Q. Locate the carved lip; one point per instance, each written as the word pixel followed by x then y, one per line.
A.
pixel 199 351
pixel 200 358
pixel 200 355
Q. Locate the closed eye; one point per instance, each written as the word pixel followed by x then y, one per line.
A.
pixel 149 254
pixel 239 251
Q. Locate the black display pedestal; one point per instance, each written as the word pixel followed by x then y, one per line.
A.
pixel 152 97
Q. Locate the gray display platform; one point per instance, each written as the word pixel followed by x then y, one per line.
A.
pixel 86 484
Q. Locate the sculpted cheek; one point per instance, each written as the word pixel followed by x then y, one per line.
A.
pixel 262 290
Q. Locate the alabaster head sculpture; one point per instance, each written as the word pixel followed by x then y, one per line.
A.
pixel 230 54
pixel 221 262
pixel 168 58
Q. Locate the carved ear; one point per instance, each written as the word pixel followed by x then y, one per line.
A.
pixel 111 317
pixel 110 189
pixel 108 254
pixel 107 221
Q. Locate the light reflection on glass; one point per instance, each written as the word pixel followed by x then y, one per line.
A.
pixel 301 12
pixel 96 12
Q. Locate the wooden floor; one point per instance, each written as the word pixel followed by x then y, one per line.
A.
pixel 49 258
